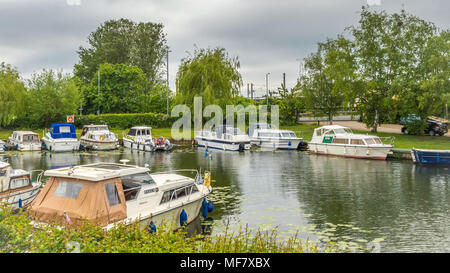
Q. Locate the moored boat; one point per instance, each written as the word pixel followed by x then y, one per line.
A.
pixel 98 137
pixel 110 193
pixel 140 138
pixel 225 138
pixel 2 146
pixel 16 187
pixel 61 137
pixel 428 156
pixel 25 141
pixel 340 141
pixel 264 136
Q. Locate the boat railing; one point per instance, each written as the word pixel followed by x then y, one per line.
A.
pixel 180 171
pixel 388 140
pixel 39 175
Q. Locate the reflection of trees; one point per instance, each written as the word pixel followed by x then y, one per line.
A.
pixel 24 160
pixel 385 197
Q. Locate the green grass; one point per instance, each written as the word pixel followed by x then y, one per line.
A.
pixel 401 141
pixel 306 131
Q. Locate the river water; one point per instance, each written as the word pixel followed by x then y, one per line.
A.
pixel 396 204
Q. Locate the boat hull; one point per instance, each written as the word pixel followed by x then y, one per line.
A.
pixel 172 215
pixel 280 144
pixel 26 147
pixel 99 145
pixel 435 157
pixel 352 151
pixel 61 145
pixel 223 144
pixel 26 197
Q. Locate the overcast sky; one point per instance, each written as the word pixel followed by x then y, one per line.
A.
pixel 267 36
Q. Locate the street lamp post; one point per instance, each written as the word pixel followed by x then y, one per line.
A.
pixel 167 96
pixel 98 91
pixel 267 87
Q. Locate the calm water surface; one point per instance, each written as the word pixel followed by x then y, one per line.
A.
pixel 402 206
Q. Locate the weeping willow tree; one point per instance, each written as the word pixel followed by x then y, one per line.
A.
pixel 210 74
pixel 12 95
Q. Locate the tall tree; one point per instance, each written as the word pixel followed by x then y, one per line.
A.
pixel 12 95
pixel 330 74
pixel 52 96
pixel 211 74
pixel 388 49
pixel 127 42
pixel 121 90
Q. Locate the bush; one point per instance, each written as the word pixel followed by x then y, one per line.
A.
pixel 124 121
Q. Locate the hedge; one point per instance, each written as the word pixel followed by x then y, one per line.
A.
pixel 124 121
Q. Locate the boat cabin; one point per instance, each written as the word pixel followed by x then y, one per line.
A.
pixel 13 180
pixel 24 137
pixel 62 130
pixel 335 134
pixel 140 131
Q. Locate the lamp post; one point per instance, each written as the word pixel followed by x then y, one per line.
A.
pixel 267 87
pixel 98 90
pixel 167 96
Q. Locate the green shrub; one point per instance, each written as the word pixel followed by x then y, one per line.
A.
pixel 124 121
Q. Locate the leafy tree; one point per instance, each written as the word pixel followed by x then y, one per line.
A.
pixel 291 104
pixel 211 74
pixel 388 50
pixel 121 90
pixel 52 96
pixel 12 95
pixel 156 100
pixel 330 75
pixel 124 41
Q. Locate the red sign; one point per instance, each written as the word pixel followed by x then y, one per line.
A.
pixel 70 119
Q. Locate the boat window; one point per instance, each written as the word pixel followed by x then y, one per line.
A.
pixel 148 131
pixel 130 190
pixel 319 132
pixel 292 134
pixel 19 183
pixel 357 142
pixel 341 131
pixel 377 140
pixel 30 138
pixel 286 134
pixel 140 178
pixel 68 189
pixel 64 129
pixel 194 189
pixel 132 132
pixel 112 194
pixel 181 192
pixel 340 140
pixel 138 132
pixel 166 196
pixel 370 141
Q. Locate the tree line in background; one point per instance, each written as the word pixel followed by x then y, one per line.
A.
pixel 388 65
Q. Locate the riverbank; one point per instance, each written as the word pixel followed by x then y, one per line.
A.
pixel 306 131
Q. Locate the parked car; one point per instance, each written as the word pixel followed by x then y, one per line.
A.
pixel 433 128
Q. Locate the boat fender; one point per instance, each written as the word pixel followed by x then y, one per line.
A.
pixel 20 202
pixel 210 206
pixel 183 218
pixel 368 151
pixel 152 227
pixel 302 144
pixel 205 208
pixel 17 146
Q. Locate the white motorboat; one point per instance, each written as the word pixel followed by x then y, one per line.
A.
pixel 16 187
pixel 140 138
pixel 225 138
pixel 110 193
pixel 98 137
pixel 340 141
pixel 262 135
pixel 25 141
pixel 61 137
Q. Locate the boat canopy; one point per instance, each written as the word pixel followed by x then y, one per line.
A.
pixel 63 130
pixel 101 202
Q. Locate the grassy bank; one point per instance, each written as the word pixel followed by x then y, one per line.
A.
pixel 306 131
pixel 17 235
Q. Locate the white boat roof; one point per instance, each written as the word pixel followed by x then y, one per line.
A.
pixel 25 133
pixel 141 127
pixel 4 164
pixel 168 178
pixel 97 171
pixel 330 127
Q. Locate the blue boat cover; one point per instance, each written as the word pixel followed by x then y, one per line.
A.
pixel 62 130
pixel 432 157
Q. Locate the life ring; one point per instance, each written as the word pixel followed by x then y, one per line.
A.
pixel 102 138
